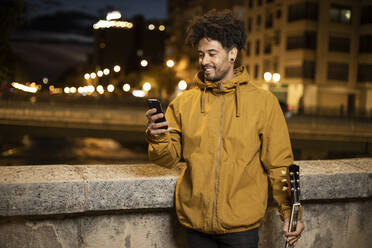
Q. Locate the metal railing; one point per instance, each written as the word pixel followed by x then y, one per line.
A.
pixel 341 112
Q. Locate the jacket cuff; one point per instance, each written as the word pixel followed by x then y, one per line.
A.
pixel 285 214
pixel 155 139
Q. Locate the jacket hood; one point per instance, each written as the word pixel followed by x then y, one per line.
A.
pixel 241 77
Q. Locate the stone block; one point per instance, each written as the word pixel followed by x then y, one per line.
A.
pixel 114 230
pixel 366 165
pixel 36 233
pixel 333 179
pixel 337 224
pixel 129 231
pixel 40 190
pixel 129 187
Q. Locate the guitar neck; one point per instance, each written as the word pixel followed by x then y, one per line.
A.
pixel 293 220
pixel 294 217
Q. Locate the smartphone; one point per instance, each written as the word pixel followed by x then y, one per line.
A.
pixel 155 103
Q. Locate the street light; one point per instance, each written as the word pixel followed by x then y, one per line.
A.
pixel 117 68
pixel 99 73
pixel 161 27
pixel 126 87
pixel 138 93
pixel 24 87
pixel 151 27
pixel 170 63
pixel 267 76
pixel 100 89
pixel 86 76
pixel 182 85
pixel 276 77
pixel 146 86
pixel 92 75
pixel 144 63
pixel 90 89
pixel 106 71
pixel 110 88
pixel 272 77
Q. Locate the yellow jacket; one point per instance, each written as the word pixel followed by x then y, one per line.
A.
pixel 233 137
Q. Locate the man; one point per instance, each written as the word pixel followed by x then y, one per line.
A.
pixel 233 137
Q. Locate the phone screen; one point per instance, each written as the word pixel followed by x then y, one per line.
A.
pixel 155 103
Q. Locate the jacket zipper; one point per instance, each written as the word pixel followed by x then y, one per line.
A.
pixel 214 208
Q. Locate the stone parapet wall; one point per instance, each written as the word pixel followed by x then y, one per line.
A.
pixel 132 206
pixel 65 189
pixel 65 114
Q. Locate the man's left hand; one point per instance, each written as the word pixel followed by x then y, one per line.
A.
pixel 292 237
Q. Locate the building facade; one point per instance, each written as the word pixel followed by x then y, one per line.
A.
pixel 321 49
pixel 127 42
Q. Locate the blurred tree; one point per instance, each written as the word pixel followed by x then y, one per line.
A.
pixel 10 12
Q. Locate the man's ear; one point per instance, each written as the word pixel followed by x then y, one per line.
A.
pixel 233 53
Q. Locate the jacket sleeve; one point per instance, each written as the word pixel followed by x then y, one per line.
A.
pixel 165 149
pixel 276 153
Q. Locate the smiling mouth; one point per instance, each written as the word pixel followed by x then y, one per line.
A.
pixel 208 69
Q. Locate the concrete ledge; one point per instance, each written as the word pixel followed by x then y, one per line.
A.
pixel 62 189
pixel 336 179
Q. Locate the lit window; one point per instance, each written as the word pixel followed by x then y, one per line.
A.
pixel 340 14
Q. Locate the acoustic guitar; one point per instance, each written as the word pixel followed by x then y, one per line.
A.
pixel 293 189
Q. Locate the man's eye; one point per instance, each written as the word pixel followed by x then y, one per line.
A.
pixel 212 54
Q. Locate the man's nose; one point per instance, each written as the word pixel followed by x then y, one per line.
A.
pixel 204 60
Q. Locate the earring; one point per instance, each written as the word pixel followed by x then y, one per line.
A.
pixel 232 60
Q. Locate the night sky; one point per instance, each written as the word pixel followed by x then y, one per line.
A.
pixel 151 9
pixel 66 48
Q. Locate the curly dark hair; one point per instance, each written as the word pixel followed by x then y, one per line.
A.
pixel 217 25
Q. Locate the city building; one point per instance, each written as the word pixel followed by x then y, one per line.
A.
pixel 128 42
pixel 321 50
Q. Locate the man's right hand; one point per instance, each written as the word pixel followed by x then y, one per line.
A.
pixel 155 128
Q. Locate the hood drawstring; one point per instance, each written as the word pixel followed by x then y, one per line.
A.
pixel 237 97
pixel 241 77
pixel 202 100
